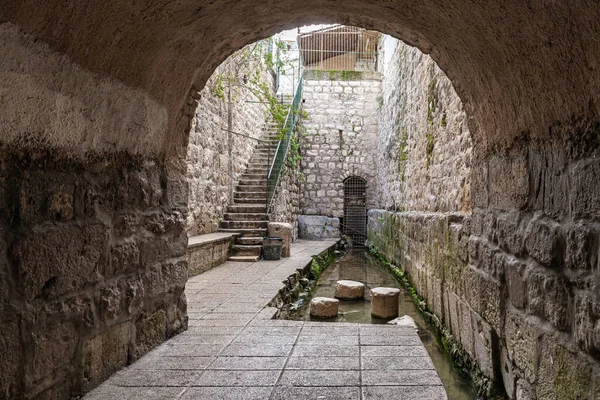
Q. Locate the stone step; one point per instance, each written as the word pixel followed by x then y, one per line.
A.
pixel 250 195
pixel 253 182
pixel 247 208
pixel 242 200
pixel 247 250
pixel 250 240
pixel 258 165
pixel 252 189
pixel 244 224
pixel 244 258
pixel 246 217
pixel 257 171
pixel 254 177
pixel 253 233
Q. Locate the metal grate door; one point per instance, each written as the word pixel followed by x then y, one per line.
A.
pixel 355 209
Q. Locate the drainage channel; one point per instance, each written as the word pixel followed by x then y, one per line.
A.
pixel 359 265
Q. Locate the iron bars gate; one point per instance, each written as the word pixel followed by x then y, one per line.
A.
pixel 355 210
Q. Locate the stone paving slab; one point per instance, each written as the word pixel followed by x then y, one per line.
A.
pixel 233 350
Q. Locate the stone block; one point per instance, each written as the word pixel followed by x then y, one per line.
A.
pixel 586 325
pixel 284 231
pixel 485 343
pixel 585 191
pixel 105 354
pixel 510 233
pixel 517 287
pixel 467 332
pixel 323 307
pixel 580 252
pixel 509 181
pixel 384 302
pixel 349 290
pixel 11 361
pixel 563 374
pixel 522 344
pixel 548 297
pixel 549 180
pixel 544 241
pixel 49 342
pixel 150 331
pixel 59 259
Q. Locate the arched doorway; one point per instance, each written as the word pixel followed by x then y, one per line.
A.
pixel 355 209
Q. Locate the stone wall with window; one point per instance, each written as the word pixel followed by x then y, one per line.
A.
pixel 340 138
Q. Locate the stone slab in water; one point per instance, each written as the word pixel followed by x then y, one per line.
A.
pixel 349 290
pixel 324 307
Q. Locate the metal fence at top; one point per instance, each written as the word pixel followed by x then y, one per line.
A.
pixel 276 164
pixel 339 48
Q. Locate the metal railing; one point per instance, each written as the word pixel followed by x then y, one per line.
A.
pixel 339 48
pixel 278 161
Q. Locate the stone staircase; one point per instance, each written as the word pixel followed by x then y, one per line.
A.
pixel 248 213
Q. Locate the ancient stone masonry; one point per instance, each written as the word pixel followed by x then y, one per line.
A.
pixel 518 281
pixel 341 138
pixel 92 269
pixel 92 231
pixel 424 144
pixel 216 159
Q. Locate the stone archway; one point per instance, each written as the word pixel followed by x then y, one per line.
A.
pixel 93 134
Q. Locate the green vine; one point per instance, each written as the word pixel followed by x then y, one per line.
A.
pixel 244 70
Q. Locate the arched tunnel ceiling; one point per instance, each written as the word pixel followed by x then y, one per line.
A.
pixel 518 65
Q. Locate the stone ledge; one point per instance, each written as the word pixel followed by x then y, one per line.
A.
pixel 201 240
pixel 208 251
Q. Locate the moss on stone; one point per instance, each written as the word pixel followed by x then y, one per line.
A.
pixel 429 149
pixel 459 357
pixel 402 153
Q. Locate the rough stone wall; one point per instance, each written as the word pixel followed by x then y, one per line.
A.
pixel 92 239
pixel 316 227
pixel 92 270
pixel 216 159
pixel 518 281
pixel 341 138
pixel 424 144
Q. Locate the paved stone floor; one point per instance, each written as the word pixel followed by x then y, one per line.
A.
pixel 233 350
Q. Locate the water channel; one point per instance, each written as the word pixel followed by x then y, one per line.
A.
pixel 358 265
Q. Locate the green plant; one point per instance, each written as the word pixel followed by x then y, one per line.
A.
pixel 244 71
pixel 429 148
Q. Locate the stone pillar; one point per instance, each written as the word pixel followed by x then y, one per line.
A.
pixel 284 231
pixel 384 302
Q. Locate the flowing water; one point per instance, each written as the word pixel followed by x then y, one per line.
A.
pixel 358 265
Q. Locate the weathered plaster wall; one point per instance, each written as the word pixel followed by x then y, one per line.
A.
pixel 518 281
pixel 424 147
pixel 92 239
pixel 216 158
pixel 340 139
pixel 50 102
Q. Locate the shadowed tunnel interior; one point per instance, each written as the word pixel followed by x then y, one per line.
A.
pixel 96 108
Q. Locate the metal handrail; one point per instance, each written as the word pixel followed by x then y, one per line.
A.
pixel 278 161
